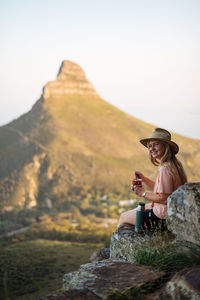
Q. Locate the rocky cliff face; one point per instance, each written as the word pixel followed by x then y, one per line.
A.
pixel 71 80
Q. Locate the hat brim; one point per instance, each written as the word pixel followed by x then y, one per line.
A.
pixel 173 145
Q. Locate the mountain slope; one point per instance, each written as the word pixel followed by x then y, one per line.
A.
pixel 73 140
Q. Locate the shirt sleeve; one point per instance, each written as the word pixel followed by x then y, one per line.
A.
pixel 165 181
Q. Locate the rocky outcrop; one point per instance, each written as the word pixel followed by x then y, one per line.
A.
pixel 183 217
pixel 108 277
pixel 71 80
pixel 124 243
pixel 183 221
pixel 184 285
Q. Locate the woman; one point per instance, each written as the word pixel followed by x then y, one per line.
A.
pixel 171 175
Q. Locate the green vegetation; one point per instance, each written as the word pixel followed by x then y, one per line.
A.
pixel 84 230
pixel 170 257
pixel 31 269
pixel 80 202
pixel 32 263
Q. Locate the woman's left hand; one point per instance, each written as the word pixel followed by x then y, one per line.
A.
pixel 139 191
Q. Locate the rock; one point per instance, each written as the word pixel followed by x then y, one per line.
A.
pixel 95 256
pixel 108 277
pixel 183 217
pixel 185 285
pixel 71 80
pixel 125 241
pixel 72 294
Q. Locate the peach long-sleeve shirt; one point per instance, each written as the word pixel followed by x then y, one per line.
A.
pixel 166 183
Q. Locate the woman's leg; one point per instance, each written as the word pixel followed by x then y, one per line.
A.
pixel 130 216
pixel 127 217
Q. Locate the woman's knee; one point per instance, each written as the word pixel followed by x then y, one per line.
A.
pixel 127 217
pixel 122 216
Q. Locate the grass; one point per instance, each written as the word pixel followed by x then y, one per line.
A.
pixel 32 263
pixel 170 257
pixel 32 269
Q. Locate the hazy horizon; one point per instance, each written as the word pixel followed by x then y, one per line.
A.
pixel 143 57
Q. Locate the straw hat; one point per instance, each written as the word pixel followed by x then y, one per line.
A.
pixel 162 135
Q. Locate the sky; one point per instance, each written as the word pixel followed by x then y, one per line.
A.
pixel 142 56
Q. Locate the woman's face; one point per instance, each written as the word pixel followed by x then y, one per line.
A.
pixel 156 149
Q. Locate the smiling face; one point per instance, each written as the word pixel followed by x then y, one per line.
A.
pixel 156 149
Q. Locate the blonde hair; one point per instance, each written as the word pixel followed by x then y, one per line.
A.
pixel 169 159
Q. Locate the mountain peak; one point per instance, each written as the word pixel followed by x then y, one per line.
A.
pixel 71 79
pixel 69 71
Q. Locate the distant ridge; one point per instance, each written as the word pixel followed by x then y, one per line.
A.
pixel 72 140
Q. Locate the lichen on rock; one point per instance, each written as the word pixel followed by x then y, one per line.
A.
pixel 183 217
pixel 124 243
pixel 184 285
pixel 108 277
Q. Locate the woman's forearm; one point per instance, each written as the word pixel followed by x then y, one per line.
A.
pixel 150 183
pixel 157 198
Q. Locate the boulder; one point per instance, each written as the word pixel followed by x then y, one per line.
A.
pixel 183 213
pixel 184 285
pixel 108 277
pixel 125 242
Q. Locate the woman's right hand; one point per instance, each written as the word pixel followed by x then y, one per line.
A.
pixel 139 175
